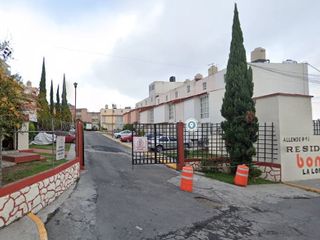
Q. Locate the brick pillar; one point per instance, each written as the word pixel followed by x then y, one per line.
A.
pixel 180 143
pixel 80 143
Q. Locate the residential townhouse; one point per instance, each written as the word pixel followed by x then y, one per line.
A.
pixel 112 119
pixel 201 98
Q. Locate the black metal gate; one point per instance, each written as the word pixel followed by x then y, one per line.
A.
pixel 162 144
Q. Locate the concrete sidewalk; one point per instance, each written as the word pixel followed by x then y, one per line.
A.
pixel 25 228
pixel 312 185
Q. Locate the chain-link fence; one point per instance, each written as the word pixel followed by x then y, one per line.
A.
pixel 34 147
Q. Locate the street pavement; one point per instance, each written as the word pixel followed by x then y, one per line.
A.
pixel 114 200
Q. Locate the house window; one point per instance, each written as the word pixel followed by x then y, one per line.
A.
pixel 204 86
pixel 158 101
pixel 204 107
pixel 188 88
pixel 176 94
pixel 171 111
pixel 167 98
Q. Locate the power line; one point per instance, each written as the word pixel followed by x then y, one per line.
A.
pixel 127 58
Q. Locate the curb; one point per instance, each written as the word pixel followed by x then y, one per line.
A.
pixel 115 140
pixel 40 225
pixel 310 189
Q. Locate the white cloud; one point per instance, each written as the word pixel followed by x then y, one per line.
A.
pixel 115 51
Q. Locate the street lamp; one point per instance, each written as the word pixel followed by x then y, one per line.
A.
pixel 75 101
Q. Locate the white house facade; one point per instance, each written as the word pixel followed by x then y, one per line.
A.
pixel 201 98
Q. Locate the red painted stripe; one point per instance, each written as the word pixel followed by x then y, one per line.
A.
pixel 16 186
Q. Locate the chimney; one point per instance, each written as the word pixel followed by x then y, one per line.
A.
pixel 106 106
pixel 258 55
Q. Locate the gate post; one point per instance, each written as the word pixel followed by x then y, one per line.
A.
pixel 80 143
pixel 180 143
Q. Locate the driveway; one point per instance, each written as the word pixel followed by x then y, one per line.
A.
pixel 114 200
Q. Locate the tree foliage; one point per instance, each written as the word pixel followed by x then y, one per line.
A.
pixel 51 100
pixel 240 125
pixel 65 110
pixel 43 112
pixel 12 100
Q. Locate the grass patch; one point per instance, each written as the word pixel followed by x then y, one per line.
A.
pixel 23 170
pixel 49 147
pixel 228 178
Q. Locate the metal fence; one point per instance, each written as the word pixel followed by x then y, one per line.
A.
pixel 162 144
pixel 21 143
pixel 206 143
pixel 316 127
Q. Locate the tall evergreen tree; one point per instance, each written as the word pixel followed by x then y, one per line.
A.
pixel 58 106
pixel 43 113
pixel 64 91
pixel 51 99
pixel 240 125
pixel 65 110
pixel 43 89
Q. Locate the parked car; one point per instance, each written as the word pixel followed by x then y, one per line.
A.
pixel 70 138
pixel 122 133
pixel 162 143
pixel 150 136
pixel 126 138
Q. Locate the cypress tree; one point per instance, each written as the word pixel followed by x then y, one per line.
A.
pixel 43 113
pixel 43 89
pixel 51 99
pixel 65 110
pixel 240 125
pixel 58 106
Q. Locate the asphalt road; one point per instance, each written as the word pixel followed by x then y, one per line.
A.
pixel 115 201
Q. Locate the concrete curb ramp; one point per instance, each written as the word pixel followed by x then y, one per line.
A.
pixel 40 225
pixel 303 187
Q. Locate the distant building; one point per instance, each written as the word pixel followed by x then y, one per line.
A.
pixel 95 117
pixel 30 107
pixel 112 119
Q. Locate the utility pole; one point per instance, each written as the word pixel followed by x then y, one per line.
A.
pixel 75 102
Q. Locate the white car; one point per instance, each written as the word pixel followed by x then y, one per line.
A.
pixel 122 133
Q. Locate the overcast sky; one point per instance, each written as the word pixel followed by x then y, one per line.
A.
pixel 115 49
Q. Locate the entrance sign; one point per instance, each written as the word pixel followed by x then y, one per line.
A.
pixel 60 147
pixel 140 144
pixel 191 124
pixel 300 158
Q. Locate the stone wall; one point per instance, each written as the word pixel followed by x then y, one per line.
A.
pixel 32 197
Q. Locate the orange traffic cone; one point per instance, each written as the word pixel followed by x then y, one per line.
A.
pixel 241 178
pixel 186 182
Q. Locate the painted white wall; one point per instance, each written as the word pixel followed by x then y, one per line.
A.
pixel 144 117
pixel 215 103
pixel 23 138
pixel 278 77
pixel 179 107
pixel 189 110
pixel 160 114
pixel 295 116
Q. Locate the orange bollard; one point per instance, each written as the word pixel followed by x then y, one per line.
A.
pixel 241 178
pixel 186 182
